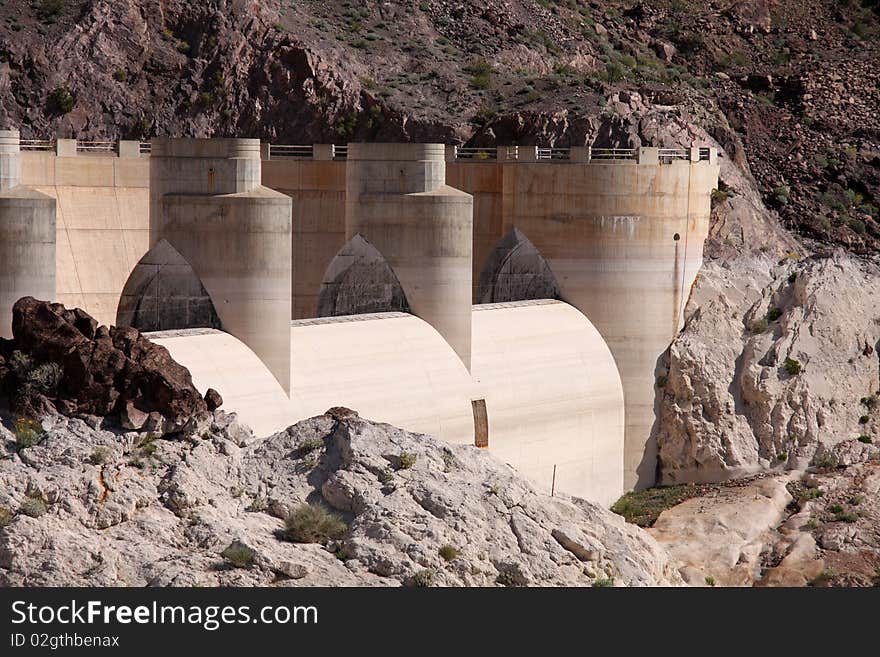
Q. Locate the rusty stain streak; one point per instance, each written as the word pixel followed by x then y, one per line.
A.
pixel 105 488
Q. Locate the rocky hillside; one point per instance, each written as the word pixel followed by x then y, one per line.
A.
pixel 789 90
pixel 334 500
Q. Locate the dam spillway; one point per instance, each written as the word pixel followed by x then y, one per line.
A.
pixel 261 232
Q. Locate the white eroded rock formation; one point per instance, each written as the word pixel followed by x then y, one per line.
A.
pixel 776 363
pixel 91 507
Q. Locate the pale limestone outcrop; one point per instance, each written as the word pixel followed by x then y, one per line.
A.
pixel 119 514
pixel 734 401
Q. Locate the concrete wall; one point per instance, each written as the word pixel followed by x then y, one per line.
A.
pixel 102 224
pixel 206 200
pixel 397 198
pixel 317 189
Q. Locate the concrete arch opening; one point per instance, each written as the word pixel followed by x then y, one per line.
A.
pixel 516 271
pixel 164 293
pixel 359 280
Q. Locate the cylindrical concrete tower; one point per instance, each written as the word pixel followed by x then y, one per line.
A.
pixel 27 236
pixel 625 242
pixel 206 200
pixel 398 200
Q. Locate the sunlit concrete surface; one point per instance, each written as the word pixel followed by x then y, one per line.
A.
pixel 553 396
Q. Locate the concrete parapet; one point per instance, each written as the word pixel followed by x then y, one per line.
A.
pixel 10 160
pixel 129 148
pixel 397 199
pixel 527 154
pixel 647 155
pixel 27 250
pixel 322 152
pixel 579 154
pixel 65 148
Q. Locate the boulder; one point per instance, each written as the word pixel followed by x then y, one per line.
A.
pixel 60 359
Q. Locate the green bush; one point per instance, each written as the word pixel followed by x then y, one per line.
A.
pixel 643 507
pixel 773 314
pixel 448 552
pixel 759 325
pixel 603 582
pixel 120 75
pixel 406 460
pixel 865 439
pixel 239 555
pixel 835 508
pixel 720 195
pixel 423 578
pixel 710 581
pixel 869 402
pixel 183 47
pixel 782 194
pixel 792 366
pixel 846 516
pixel 62 100
pixel 825 461
pixel 792 277
pixel 313 523
pixel 864 419
pixel 857 225
pixel 28 433
pixel 100 455
pixel 812 493
pixel 33 506
pixel 310 444
pixel 782 456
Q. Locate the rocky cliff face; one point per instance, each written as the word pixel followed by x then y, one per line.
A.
pixel 777 364
pixel 788 89
pixel 92 507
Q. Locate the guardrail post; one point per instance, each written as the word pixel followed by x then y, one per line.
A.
pixel 713 155
pixel 647 155
pixel 579 154
pixel 451 153
pixel 322 152
pixel 129 148
pixel 65 148
pixel 265 148
pixel 695 153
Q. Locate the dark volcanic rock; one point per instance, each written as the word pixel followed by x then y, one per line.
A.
pixel 61 358
pixel 213 400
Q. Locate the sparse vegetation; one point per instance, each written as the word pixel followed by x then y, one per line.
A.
pixel 792 366
pixel 258 505
pixel 710 581
pixel 869 402
pixel 643 507
pixel 5 516
pixel 100 455
pixel 864 419
pixel 826 460
pixel 759 325
pixel 448 553
pixel 61 101
pixel 406 460
pixel 120 75
pixel 239 555
pixel 33 505
pixel 825 577
pixel 310 444
pixel 183 47
pixel 773 314
pixel 313 523
pixel 661 381
pixel 423 578
pixel 782 456
pixel 27 433
pixel 603 582
pixel 865 439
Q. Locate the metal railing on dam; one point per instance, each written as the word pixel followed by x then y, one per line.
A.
pixel 475 154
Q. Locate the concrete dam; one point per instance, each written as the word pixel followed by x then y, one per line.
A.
pixel 513 298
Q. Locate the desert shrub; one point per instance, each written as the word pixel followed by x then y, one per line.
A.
pixel 825 461
pixel 448 552
pixel 792 277
pixel 812 493
pixel 773 314
pixel 406 460
pixel 846 516
pixel 100 455
pixel 61 100
pixel 239 555
pixel 481 73
pixel 206 98
pixel 49 10
pixel 865 439
pixel 720 195
pixel 661 381
pixel 857 225
pixel 782 456
pixel 643 507
pixel 258 505
pixel 313 523
pixel 147 445
pixel 33 506
pixel 5 516
pixel 506 578
pixel 831 201
pixel 183 47
pixel 864 419
pixel 120 75
pixel 825 576
pixel 835 508
pixel 603 582
pixel 27 433
pixel 782 194
pixel 792 366
pixel 759 325
pixel 423 578
pixel 869 402
pixel 310 445
pixel 710 581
